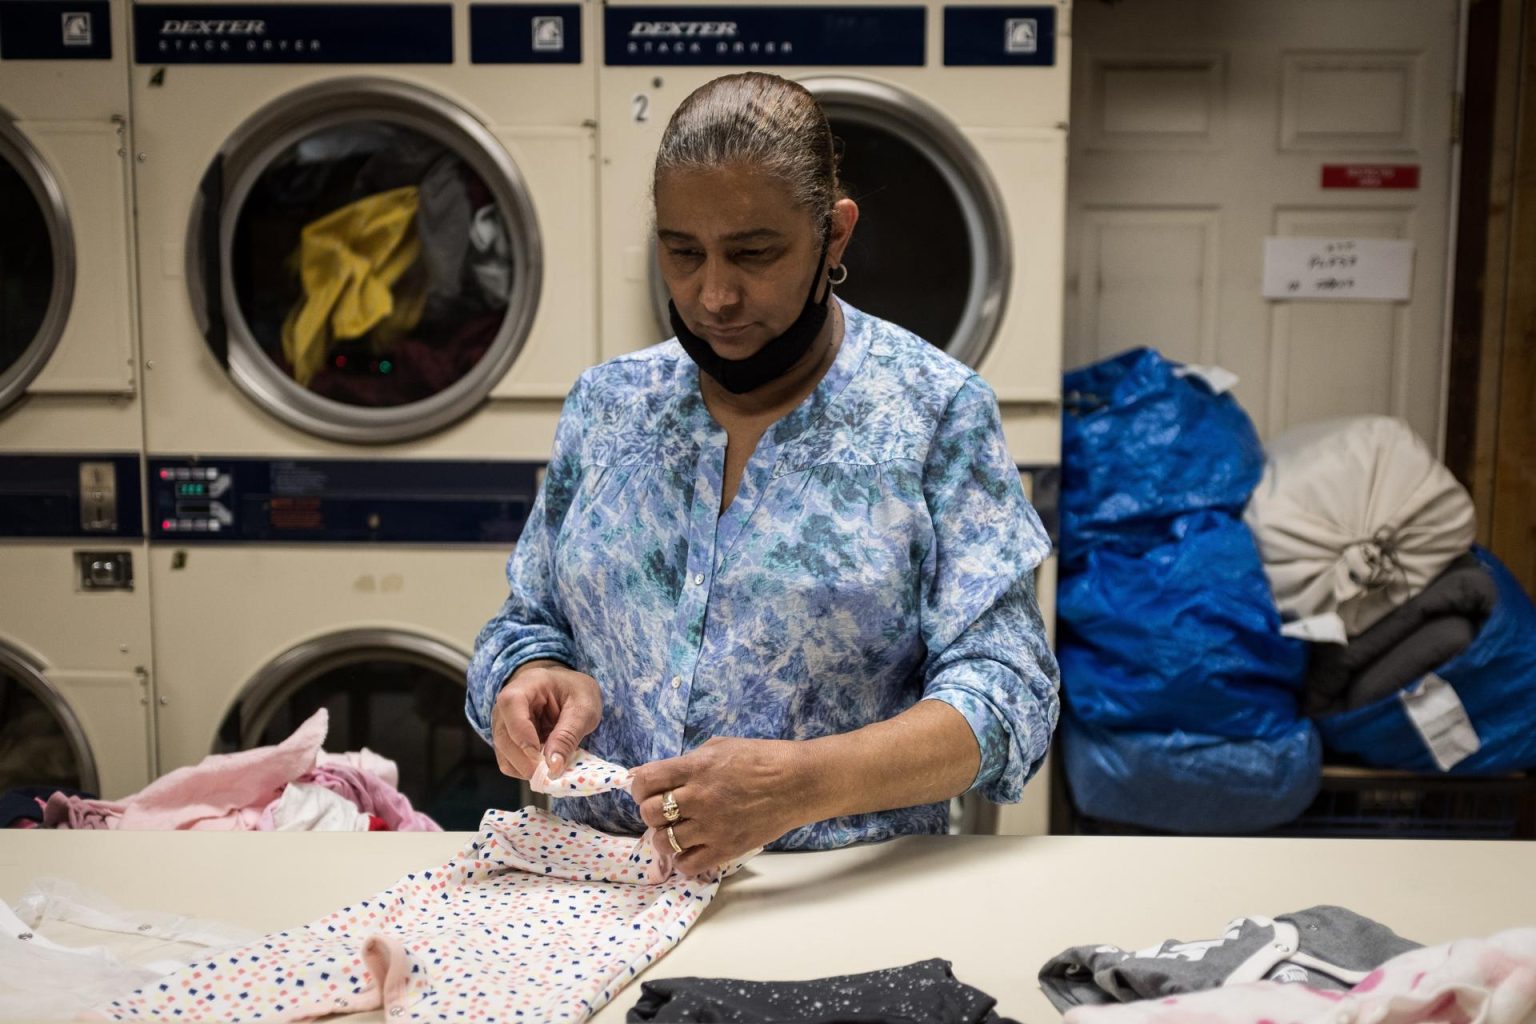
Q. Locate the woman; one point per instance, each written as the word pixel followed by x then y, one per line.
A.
pixel 796 589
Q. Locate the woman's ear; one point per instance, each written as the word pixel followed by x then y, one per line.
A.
pixel 845 214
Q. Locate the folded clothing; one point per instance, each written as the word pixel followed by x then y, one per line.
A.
pixel 1422 634
pixel 926 991
pixel 1490 981
pixel 1324 947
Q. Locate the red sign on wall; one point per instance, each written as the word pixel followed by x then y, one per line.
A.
pixel 1370 175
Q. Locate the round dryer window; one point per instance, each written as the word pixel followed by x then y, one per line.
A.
pixel 41 740
pixel 365 260
pixel 36 263
pixel 931 251
pixel 398 694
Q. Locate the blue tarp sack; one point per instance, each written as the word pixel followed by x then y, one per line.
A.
pixel 1181 693
pixel 1184 635
pixel 1495 682
pixel 1190 783
pixel 1144 441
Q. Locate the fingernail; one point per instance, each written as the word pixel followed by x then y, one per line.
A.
pixel 556 764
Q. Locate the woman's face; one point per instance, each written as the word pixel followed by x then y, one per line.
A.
pixel 737 254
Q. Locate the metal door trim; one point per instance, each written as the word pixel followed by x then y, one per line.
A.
pixel 242 160
pixel 294 669
pixel 935 135
pixel 17 150
pixel 32 677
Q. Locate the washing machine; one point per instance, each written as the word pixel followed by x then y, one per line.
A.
pixel 952 119
pixel 369 280
pixel 74 619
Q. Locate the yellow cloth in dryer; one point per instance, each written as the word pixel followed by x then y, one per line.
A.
pixel 350 261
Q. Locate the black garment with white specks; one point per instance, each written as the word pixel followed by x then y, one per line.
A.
pixel 922 993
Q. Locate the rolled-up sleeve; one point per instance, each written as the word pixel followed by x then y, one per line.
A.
pixel 530 625
pixel 988 655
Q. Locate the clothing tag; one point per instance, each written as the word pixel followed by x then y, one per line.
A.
pixel 1442 722
pixel 1219 380
pixel 1326 628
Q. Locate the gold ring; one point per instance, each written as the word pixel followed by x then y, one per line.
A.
pixel 669 809
pixel 672 838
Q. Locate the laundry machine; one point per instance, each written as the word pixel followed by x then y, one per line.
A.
pixel 365 228
pixel 282 586
pixel 952 118
pixel 75 688
pixel 368 236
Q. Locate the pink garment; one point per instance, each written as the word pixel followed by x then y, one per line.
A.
pixel 1470 981
pixel 240 791
pixel 221 792
pixel 363 760
pixel 64 811
pixel 372 795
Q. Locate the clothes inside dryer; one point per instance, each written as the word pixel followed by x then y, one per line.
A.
pixel 35 746
pixel 910 260
pixel 26 266
pixel 404 707
pixel 372 264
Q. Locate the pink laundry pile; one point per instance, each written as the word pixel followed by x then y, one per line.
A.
pixel 288 787
pixel 1470 981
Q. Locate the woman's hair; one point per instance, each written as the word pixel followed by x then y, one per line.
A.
pixel 765 122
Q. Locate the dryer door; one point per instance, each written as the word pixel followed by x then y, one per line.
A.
pixel 931 251
pixel 364 259
pixel 397 693
pixel 37 263
pixel 42 743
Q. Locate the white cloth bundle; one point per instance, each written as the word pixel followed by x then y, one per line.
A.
pixel 1355 516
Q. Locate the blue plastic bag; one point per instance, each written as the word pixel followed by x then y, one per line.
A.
pixel 1189 783
pixel 1495 678
pixel 1182 636
pixel 1143 444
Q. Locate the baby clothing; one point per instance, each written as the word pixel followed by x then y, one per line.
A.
pixel 927 991
pixel 585 775
pixel 1321 947
pixel 1486 981
pixel 537 919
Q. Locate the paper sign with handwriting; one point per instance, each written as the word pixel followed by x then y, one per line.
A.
pixel 1370 269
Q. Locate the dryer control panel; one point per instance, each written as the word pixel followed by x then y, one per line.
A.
pixel 340 501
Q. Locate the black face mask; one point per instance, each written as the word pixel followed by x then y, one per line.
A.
pixel 774 359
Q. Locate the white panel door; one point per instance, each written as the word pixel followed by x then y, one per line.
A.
pixel 1199 127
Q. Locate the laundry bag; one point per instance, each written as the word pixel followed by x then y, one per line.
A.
pixel 1187 782
pixel 1144 441
pixel 1494 681
pixel 1182 635
pixel 1355 516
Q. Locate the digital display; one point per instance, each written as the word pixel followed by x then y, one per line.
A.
pixel 190 489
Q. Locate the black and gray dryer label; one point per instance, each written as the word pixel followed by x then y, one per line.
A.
pixel 293 34
pixel 759 36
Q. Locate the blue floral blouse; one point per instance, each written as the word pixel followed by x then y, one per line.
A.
pixel 880 551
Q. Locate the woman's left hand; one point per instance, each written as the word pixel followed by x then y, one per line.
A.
pixel 732 796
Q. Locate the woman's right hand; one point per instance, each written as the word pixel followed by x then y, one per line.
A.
pixel 547 709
